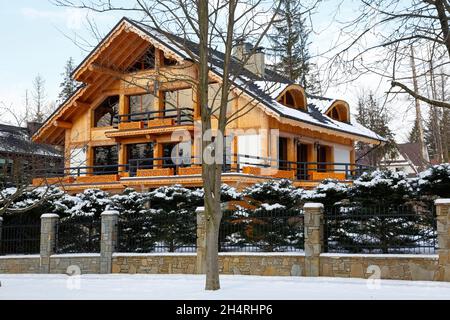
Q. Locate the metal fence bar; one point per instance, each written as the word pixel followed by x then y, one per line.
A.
pixel 380 229
pixel 20 239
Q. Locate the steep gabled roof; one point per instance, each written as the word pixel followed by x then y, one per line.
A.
pixel 263 90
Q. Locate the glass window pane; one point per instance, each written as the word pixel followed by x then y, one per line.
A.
pixel 141 104
pixel 106 159
pixel 105 114
pixel 140 156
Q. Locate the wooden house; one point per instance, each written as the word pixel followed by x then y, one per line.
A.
pixel 139 90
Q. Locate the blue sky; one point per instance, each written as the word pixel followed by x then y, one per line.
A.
pixel 36 39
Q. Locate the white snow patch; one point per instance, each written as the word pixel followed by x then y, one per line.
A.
pixel 76 255
pixel 30 256
pixel 396 256
pixel 191 287
pixel 311 205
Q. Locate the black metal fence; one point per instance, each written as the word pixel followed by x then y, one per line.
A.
pixel 78 237
pixel 21 239
pixel 382 229
pixel 158 232
pixel 262 231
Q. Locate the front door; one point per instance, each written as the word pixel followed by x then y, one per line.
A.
pixel 302 162
pixel 322 158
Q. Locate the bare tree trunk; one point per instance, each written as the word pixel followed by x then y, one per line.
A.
pixel 435 116
pixel 419 125
pixel 445 122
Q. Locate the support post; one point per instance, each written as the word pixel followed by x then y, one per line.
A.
pixel 108 240
pixel 443 233
pixel 49 222
pixel 201 241
pixel 313 216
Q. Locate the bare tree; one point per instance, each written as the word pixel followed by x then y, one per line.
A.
pixel 200 28
pixel 39 98
pixel 380 38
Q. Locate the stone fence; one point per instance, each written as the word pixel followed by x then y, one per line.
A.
pixel 312 263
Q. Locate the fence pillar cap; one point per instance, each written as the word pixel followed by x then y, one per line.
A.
pixel 313 205
pixel 49 216
pixel 200 210
pixel 110 213
pixel 442 201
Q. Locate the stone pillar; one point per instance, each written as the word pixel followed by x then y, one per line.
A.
pixel 313 238
pixel 108 240
pixel 48 240
pixel 443 232
pixel 201 241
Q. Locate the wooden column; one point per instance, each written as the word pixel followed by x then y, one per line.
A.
pixel 124 106
pixel 123 158
pixel 158 153
pixel 312 157
pixel 291 150
pixel 330 158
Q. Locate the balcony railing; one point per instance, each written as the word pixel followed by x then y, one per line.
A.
pixel 235 163
pixel 179 116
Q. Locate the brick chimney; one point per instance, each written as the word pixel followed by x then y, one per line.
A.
pixel 33 127
pixel 256 63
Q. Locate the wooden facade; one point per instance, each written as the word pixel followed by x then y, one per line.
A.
pixel 118 129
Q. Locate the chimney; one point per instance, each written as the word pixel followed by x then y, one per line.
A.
pixel 256 63
pixel 33 127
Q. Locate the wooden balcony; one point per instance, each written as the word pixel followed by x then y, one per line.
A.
pixel 156 172
pixel 152 123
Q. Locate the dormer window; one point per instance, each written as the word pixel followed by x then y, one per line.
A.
pixel 339 111
pixel 294 97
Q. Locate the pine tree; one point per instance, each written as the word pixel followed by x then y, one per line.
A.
pixel 414 135
pixel 68 85
pixel 290 42
pixel 374 117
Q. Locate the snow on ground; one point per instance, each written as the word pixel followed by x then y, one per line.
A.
pixel 190 287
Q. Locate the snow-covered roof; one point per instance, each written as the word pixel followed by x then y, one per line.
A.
pixel 17 140
pixel 264 90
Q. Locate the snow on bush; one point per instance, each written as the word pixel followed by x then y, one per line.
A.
pixel 382 186
pixel 435 181
pixel 273 192
pixel 90 203
pixel 327 192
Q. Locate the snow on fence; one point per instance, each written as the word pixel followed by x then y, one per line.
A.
pixel 403 229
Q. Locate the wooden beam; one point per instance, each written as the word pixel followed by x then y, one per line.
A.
pixel 104 70
pixel 82 105
pixel 63 124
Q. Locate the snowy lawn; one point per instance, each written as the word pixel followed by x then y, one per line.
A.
pixel 190 287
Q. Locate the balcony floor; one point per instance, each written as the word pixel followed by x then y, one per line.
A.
pixel 237 180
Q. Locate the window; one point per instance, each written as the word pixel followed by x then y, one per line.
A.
pixel 106 160
pixel 294 98
pixel 290 100
pixel 105 115
pixel 179 99
pixel 140 156
pixel 169 62
pixel 146 62
pixel 140 106
pixel 339 112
